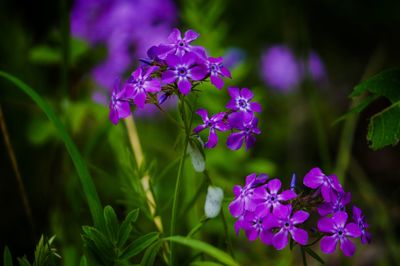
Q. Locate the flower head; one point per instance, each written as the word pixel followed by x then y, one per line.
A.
pixel 217 71
pixel 338 231
pixel 247 128
pixel 269 198
pixel 244 200
pixel 315 178
pixel 338 203
pixel 184 69
pixel 359 218
pixel 241 101
pixel 119 107
pixel 140 83
pixel 286 222
pixel 214 123
pixel 253 225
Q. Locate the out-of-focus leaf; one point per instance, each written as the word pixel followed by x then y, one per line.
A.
pixel 261 166
pixel 83 261
pixel 98 245
pixel 139 245
pixel 384 127
pixel 83 173
pixel 45 55
pixel 205 263
pixel 7 259
pixel 197 158
pixel 23 262
pixel 206 248
pixel 150 254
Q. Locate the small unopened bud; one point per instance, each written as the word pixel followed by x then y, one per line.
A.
pixel 163 98
pixel 214 198
pixel 293 183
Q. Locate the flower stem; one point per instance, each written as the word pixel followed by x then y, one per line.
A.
pixel 137 151
pixel 179 175
pixel 303 256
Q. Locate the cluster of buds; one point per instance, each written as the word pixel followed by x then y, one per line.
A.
pixel 275 217
pixel 176 68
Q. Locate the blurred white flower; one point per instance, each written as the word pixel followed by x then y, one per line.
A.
pixel 214 198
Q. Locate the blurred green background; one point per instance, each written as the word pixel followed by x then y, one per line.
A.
pixel 355 39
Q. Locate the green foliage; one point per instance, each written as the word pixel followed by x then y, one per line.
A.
pixel 7 259
pixel 384 126
pixel 109 247
pixel 313 254
pixel 204 247
pixel 83 173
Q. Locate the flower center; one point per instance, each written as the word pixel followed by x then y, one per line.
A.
pixel 182 72
pixel 209 124
pixel 181 44
pixel 243 105
pixel 286 224
pixel 340 232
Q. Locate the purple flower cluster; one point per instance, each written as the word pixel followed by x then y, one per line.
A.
pixel 126 28
pixel 263 211
pixel 239 119
pixel 281 70
pixel 172 68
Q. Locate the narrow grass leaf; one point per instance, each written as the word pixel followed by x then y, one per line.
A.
pixel 139 245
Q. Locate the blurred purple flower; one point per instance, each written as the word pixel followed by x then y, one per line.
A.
pixel 316 68
pixel 184 69
pixel 216 122
pixel 359 218
pixel 339 232
pixel 286 221
pixel 269 197
pixel 280 69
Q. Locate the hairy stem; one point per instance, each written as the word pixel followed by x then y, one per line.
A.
pixel 138 153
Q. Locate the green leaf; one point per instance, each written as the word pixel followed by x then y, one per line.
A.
pixel 23 261
pixel 7 259
pixel 111 223
pixel 384 127
pixel 150 254
pixel 313 254
pixel 386 83
pixel 83 261
pixel 206 248
pixel 98 244
pixel 45 55
pixel 83 173
pixel 126 228
pixel 197 157
pixel 139 245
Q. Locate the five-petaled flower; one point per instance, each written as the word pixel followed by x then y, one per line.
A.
pixel 247 129
pixel 216 122
pixel 329 185
pixel 269 198
pixel 338 231
pixel 140 83
pixel 217 71
pixel 119 106
pixel 338 203
pixel 253 225
pixel 241 101
pixel 286 222
pixel 184 69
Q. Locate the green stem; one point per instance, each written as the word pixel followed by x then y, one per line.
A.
pixel 179 176
pixel 303 256
pixel 197 227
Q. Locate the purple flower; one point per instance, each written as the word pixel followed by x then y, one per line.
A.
pixel 338 203
pixel 184 69
pixel 119 107
pixel 177 45
pixel 140 83
pixel 253 225
pixel 316 68
pixel 286 221
pixel 244 199
pixel 328 184
pixel 247 127
pixel 216 122
pixel 280 69
pixel 269 198
pixel 338 231
pixel 241 101
pixel 216 71
pixel 359 218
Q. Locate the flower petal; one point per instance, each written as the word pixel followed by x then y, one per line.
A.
pixel 203 113
pixel 255 107
pixel 299 235
pixel 236 207
pixel 140 99
pixel 314 178
pixel 326 225
pixel 287 195
pixel 266 237
pixel 274 186
pixel 233 92
pixel 168 76
pixel 340 219
pixel 299 217
pixel 191 35
pixel 184 86
pixel 347 247
pixel 250 140
pixel 235 141
pixel 280 240
pixel 198 72
pixel 246 93
pixel 352 230
pixel 328 244
pixel 225 72
pixel 217 81
pixel 252 234
pixel 153 85
pixel 174 36
pixel 173 60
pixel 212 139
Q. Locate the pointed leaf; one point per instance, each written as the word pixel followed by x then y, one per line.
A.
pixel 150 254
pixel 7 259
pixel 23 261
pixel 314 255
pixel 111 223
pixel 139 245
pixel 205 263
pixel 126 227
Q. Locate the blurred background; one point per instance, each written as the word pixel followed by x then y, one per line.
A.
pixel 301 58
